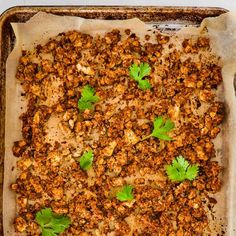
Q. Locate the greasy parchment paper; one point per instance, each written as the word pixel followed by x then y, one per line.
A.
pixel 222 31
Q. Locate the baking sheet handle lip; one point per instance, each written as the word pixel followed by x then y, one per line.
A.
pixel 16 9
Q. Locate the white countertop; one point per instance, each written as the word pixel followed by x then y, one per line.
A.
pixel 228 4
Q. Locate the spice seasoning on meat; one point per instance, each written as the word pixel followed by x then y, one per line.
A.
pixel 56 134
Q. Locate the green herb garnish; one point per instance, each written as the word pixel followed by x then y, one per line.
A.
pixel 86 160
pixel 180 170
pixel 50 223
pixel 125 194
pixel 161 129
pixel 138 72
pixel 87 98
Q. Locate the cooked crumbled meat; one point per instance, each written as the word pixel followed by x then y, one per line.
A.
pixel 147 37
pixel 127 31
pixel 19 147
pixel 203 42
pixel 56 134
pixel 20 224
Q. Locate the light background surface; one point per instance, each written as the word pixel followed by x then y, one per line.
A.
pixel 228 4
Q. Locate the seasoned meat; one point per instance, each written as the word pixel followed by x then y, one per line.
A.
pixel 56 133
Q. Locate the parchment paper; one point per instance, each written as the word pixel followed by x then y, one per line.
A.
pixel 222 31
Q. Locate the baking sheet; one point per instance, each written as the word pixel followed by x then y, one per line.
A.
pixel 42 26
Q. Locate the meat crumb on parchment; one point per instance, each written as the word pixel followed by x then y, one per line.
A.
pixel 57 132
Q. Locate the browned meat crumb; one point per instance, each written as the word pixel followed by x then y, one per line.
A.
pixel 55 134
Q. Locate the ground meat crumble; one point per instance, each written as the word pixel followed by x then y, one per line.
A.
pixel 55 133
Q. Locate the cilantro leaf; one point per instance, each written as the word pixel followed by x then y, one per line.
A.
pixel 44 216
pixel 86 160
pixel 88 93
pixel 144 84
pixel 192 172
pixel 161 129
pixel 50 223
pixel 180 170
pixel 145 70
pixel 48 232
pixel 125 194
pixel 138 72
pixel 87 98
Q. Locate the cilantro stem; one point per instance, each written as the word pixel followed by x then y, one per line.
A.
pixel 146 137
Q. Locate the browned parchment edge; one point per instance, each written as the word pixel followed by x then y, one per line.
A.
pixel 188 15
